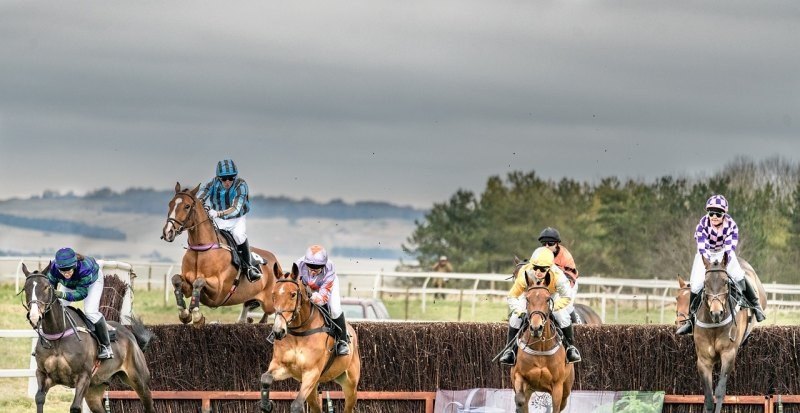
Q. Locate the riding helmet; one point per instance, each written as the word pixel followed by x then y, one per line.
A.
pixel 316 255
pixel 550 234
pixel 718 202
pixel 66 258
pixel 226 167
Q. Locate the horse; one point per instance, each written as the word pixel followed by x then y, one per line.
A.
pixel 586 315
pixel 682 302
pixel 207 275
pixel 541 358
pixel 721 327
pixel 304 350
pixel 66 353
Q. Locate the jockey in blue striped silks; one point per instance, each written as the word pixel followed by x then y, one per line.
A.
pixel 717 235
pixel 228 197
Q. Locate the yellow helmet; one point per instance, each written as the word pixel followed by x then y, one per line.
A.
pixel 542 257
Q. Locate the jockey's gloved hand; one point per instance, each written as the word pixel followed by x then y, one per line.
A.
pixel 213 213
pixel 317 299
pixel 61 294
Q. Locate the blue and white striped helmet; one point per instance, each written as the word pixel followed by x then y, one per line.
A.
pixel 226 167
pixel 718 202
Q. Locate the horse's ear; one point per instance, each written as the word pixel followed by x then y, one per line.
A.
pixel 177 187
pixel 725 260
pixel 706 262
pixel 295 271
pixel 516 260
pixel 681 282
pixel 194 191
pixel 46 270
pixel 276 270
pixel 25 269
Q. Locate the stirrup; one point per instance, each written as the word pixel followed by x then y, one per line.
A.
pixel 508 358
pixel 342 349
pixel 105 353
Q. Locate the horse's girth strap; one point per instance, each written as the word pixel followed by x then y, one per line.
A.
pixel 311 332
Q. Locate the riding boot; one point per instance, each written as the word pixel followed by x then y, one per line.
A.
pixel 688 326
pixel 509 356
pixel 573 355
pixel 101 330
pixel 342 338
pixel 253 274
pixel 574 317
pixel 751 295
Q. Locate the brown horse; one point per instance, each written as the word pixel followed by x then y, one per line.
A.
pixel 586 315
pixel 307 353
pixel 541 359
pixel 66 353
pixel 207 275
pixel 720 328
pixel 682 302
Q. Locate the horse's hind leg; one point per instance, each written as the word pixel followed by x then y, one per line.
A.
pixel 350 394
pixel 139 381
pixel 194 306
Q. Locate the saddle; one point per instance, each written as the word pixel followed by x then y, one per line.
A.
pixel 235 260
pixel 89 325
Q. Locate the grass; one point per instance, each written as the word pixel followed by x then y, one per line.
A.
pixel 151 307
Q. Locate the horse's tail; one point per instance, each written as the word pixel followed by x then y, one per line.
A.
pixel 142 334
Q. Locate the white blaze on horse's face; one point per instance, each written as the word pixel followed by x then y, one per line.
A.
pixel 280 326
pixel 170 231
pixel 34 315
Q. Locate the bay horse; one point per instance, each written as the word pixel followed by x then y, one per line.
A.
pixel 720 328
pixel 66 353
pixel 207 275
pixel 304 350
pixel 541 358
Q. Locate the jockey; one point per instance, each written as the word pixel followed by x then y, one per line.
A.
pixel 550 238
pixel 541 266
pixel 82 279
pixel 229 200
pixel 319 274
pixel 718 234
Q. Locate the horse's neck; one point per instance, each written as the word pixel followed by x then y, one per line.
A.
pixel 306 316
pixel 204 232
pixel 54 320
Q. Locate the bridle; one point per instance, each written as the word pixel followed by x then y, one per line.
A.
pixel 47 306
pixel 298 303
pixel 545 315
pixel 181 226
pixel 710 298
pixel 680 315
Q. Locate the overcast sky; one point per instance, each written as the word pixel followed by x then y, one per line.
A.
pixel 402 101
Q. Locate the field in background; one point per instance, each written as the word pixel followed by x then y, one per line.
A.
pixel 149 305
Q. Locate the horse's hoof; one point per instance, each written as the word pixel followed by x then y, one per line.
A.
pixel 249 320
pixel 184 316
pixel 268 407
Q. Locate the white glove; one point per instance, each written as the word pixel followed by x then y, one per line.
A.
pixel 316 298
pixel 213 213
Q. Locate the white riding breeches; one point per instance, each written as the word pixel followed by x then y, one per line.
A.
pixel 236 226
pixel 91 304
pixel 335 300
pixel 698 276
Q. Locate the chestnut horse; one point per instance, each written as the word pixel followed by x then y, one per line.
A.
pixel 720 328
pixel 541 359
pixel 307 353
pixel 207 275
pixel 66 353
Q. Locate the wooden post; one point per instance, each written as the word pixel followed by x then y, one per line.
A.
pixel 460 303
pixel 408 299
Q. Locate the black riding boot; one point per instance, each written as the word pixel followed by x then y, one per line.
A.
pixel 101 330
pixel 509 356
pixel 751 295
pixel 573 355
pixel 252 271
pixel 574 317
pixel 688 326
pixel 342 338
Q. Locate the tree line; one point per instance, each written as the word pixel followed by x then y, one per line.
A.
pixel 616 228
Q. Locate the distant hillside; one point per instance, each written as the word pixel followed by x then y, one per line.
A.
pixel 153 202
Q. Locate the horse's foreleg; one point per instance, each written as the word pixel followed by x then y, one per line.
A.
pixel 520 390
pixel 81 387
pixel 313 400
pixel 557 395
pixel 41 393
pixel 274 373
pixel 94 398
pixel 178 285
pixel 705 369
pixel 194 305
pixel 726 365
pixel 308 383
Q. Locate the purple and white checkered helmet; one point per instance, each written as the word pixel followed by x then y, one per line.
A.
pixel 717 201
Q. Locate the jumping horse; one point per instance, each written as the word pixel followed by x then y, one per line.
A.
pixel 304 349
pixel 541 358
pixel 207 274
pixel 722 324
pixel 66 353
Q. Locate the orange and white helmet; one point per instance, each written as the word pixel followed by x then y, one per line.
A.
pixel 316 255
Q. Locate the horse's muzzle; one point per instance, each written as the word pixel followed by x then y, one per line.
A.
pixel 537 330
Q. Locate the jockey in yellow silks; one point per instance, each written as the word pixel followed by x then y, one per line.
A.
pixel 541 270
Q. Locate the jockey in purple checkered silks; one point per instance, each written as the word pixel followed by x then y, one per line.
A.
pixel 718 235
